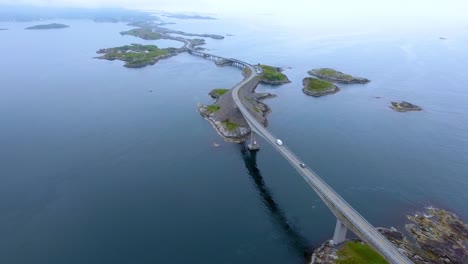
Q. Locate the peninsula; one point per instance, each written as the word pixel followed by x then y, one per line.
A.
pixel 336 76
pixel 315 87
pixel 273 75
pixel 137 55
pixel 439 237
pixel 49 26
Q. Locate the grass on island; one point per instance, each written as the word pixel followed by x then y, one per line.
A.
pixel 144 33
pixel 212 108
pixel 229 125
pixel 220 91
pixel 334 73
pixel 357 253
pixel 317 85
pixel 136 55
pixel 271 74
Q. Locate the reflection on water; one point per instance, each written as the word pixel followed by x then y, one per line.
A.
pixel 295 239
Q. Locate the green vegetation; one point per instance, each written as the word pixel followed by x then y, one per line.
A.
pixel 220 91
pixel 334 74
pixel 317 85
pixel 136 55
pixel 144 33
pixel 212 108
pixel 48 26
pixel 229 125
pixel 357 253
pixel 272 74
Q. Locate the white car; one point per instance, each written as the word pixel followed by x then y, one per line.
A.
pixel 279 142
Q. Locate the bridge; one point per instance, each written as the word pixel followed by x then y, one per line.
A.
pixel 347 216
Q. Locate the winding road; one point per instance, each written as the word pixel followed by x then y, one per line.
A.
pixel 345 214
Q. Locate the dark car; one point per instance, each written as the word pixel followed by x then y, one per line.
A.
pixel 302 165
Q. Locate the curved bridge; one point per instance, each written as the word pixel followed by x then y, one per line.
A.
pixel 347 217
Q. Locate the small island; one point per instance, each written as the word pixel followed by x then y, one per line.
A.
pixel 315 87
pixel 49 26
pixel 143 32
pixel 336 76
pixel 3 28
pixel 273 75
pixel 404 107
pixel 137 55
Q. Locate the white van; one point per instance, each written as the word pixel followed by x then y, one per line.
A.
pixel 279 142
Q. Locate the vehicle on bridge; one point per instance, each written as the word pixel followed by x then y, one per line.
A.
pixel 302 165
pixel 279 142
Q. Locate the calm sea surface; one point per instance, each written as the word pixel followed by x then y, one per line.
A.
pixel 94 168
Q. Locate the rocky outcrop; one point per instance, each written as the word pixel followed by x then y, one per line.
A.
pixel 239 134
pixel 325 254
pixel 404 106
pixel 441 234
pixel 440 238
pixel 336 76
pixel 317 92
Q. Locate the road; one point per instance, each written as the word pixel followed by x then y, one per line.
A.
pixel 342 210
pixel 339 207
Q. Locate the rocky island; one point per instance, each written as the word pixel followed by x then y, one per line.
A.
pixel 273 75
pixel 137 55
pixel 404 107
pixel 315 87
pixel 336 76
pixel 439 237
pixel 49 26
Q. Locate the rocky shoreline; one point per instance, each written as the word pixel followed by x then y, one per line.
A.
pixel 439 237
pixel 336 76
pixel 404 106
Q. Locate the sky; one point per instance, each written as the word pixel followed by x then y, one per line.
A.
pixel 444 9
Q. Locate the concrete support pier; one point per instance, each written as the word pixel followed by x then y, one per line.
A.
pixel 340 233
pixel 253 145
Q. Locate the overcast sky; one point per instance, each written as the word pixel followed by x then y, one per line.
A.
pixel 377 8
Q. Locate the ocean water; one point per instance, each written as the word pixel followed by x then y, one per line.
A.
pixel 97 169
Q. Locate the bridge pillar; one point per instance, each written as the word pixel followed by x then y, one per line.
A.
pixel 253 145
pixel 340 233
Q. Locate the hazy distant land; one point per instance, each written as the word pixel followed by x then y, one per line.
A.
pixel 188 16
pixel 49 26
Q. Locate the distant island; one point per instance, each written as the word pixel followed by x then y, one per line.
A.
pixel 336 76
pixel 186 16
pixel 273 75
pixel 137 55
pixel 151 31
pixel 404 106
pixel 3 28
pixel 315 87
pixel 49 26
pixel 144 33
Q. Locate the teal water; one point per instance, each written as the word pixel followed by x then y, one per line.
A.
pixel 96 169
